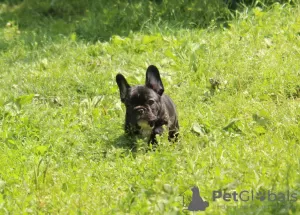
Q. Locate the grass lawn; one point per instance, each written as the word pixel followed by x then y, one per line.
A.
pixel 237 92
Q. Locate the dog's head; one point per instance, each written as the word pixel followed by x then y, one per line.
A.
pixel 143 102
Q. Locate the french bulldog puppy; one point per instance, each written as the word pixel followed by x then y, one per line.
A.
pixel 147 108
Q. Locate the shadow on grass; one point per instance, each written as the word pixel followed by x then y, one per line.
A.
pixel 126 142
pixel 131 145
pixel 99 20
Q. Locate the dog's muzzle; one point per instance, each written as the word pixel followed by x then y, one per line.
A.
pixel 142 113
pixel 140 110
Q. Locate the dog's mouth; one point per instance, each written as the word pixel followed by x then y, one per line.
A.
pixel 151 123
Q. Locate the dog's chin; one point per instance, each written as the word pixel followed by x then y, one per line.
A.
pixel 146 128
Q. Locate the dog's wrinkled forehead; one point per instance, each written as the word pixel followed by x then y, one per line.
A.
pixel 139 95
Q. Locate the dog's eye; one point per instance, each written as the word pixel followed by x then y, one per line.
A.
pixel 151 102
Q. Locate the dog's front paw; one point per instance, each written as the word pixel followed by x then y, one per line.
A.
pixel 158 130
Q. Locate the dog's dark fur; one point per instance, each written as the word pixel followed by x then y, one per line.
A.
pixel 147 108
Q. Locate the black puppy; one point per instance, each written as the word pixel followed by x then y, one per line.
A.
pixel 147 108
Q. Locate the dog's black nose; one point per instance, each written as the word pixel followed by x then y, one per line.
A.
pixel 141 111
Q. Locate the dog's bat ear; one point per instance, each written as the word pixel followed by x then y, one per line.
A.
pixel 153 80
pixel 123 86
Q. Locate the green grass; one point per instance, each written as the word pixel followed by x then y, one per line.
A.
pixel 62 148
